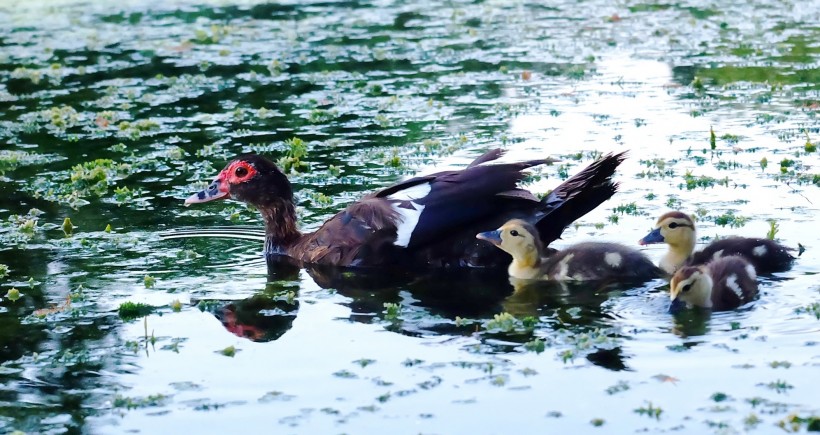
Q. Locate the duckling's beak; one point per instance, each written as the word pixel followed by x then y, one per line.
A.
pixel 676 306
pixel 493 237
pixel 654 236
pixel 218 189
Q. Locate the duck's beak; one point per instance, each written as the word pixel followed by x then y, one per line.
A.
pixel 218 189
pixel 676 306
pixel 654 236
pixel 493 237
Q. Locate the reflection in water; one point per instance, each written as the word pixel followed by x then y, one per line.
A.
pixel 424 296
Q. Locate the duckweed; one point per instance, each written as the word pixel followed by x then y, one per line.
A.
pixel 813 309
pixel 229 351
pixel 377 94
pixel 391 311
pixel 133 310
pixel 13 294
pixel 154 400
pixel 729 218
pixel 67 226
pixel 650 410
pixel 149 281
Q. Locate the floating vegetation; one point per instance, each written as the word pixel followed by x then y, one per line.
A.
pixel 292 161
pixel 712 138
pixel 176 306
pixel 506 322
pixel 774 228
pixel 628 209
pixel 351 99
pixel 391 311
pixel 67 227
pixel 10 160
pixel 809 146
pixel 20 229
pixel 536 345
pixel 229 351
pixel 813 309
pixel 154 400
pixel 795 423
pixel 650 410
pixel 729 218
pixel 597 422
pixel 85 180
pixel 780 386
pixel 617 388
pixel 13 294
pixel 692 182
pixel 132 310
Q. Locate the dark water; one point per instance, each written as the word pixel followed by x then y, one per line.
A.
pixel 113 113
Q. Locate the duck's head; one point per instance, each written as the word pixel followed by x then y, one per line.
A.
pixel 675 228
pixel 690 287
pixel 517 237
pixel 249 178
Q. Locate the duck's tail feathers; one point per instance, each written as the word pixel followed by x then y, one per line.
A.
pixel 577 196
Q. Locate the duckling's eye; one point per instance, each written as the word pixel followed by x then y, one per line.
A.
pixel 241 171
pixel 687 287
pixel 514 233
pixel 673 225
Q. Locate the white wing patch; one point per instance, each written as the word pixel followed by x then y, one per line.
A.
pixel 412 193
pixel 408 216
pixel 731 282
pixel 613 259
pixel 717 254
pixel 751 271
pixel 759 251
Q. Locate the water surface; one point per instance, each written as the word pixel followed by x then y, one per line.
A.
pixel 166 92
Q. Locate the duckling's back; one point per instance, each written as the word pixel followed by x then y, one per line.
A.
pixel 765 255
pixel 590 261
pixel 734 282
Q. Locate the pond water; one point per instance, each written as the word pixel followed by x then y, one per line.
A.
pixel 112 114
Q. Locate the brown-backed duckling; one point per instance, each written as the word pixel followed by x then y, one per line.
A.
pixel 724 284
pixel 677 230
pixel 586 261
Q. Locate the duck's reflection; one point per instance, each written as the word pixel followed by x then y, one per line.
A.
pixel 444 295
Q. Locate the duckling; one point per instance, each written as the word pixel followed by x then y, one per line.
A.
pixel 724 284
pixel 677 230
pixel 586 261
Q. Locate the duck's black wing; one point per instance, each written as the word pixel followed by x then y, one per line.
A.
pixel 432 220
pixel 577 196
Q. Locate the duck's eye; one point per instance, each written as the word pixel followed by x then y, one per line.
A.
pixel 687 287
pixel 514 233
pixel 241 171
pixel 673 225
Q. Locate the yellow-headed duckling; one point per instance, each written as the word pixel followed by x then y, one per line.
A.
pixel 677 230
pixel 724 284
pixel 587 261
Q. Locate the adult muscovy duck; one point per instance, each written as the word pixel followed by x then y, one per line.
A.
pixel 426 221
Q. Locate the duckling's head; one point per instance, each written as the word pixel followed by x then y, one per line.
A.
pixel 675 228
pixel 518 238
pixel 690 286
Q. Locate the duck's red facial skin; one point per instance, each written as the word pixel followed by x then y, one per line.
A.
pixel 237 172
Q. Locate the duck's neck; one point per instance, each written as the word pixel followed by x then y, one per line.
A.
pixel 526 266
pixel 677 255
pixel 281 231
